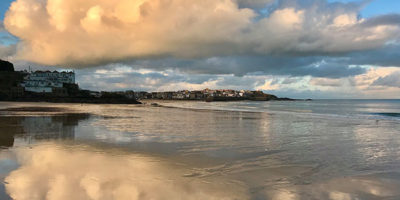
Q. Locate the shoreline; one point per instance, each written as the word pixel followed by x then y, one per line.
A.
pixel 74 100
pixel 129 101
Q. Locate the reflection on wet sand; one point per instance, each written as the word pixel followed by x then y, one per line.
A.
pixel 9 127
pixel 139 152
pixel 38 127
pixel 373 186
pixel 57 172
pixel 220 128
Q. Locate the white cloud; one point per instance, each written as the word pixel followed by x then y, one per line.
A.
pixel 377 82
pixel 57 32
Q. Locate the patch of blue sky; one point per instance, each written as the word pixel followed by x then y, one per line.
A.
pixel 7 39
pixel 377 7
pixel 4 5
pixel 373 8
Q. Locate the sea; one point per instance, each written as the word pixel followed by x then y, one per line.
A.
pixel 184 150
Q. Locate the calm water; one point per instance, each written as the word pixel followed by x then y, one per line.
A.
pixel 323 149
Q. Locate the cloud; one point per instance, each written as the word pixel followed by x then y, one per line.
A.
pixel 82 33
pixel 254 3
pixel 290 80
pixel 2 29
pixel 390 19
pixel 391 80
pixel 287 47
pixel 316 66
pixel 377 82
pixel 326 82
pixel 389 56
pixel 57 32
pixel 7 48
pixel 7 51
pixel 123 77
pixel 58 172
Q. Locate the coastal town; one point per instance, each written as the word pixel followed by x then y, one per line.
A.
pixel 54 86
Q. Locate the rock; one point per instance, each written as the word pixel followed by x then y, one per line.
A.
pixel 6 66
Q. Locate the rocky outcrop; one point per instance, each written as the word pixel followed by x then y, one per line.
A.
pixel 6 66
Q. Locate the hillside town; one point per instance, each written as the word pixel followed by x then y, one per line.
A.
pixel 209 95
pixel 55 86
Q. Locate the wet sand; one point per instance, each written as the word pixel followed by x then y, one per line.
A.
pixel 73 151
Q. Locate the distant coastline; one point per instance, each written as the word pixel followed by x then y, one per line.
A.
pixel 60 87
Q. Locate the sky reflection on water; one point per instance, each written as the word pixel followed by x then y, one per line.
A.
pixel 52 171
pixel 144 152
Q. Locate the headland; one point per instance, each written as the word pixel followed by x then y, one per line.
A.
pixel 60 87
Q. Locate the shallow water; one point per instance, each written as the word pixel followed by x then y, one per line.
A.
pixel 328 149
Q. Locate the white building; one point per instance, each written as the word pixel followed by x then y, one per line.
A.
pixel 46 81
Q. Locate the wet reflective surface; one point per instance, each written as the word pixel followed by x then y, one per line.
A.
pixel 236 150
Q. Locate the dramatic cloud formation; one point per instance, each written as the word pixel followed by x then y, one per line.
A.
pixel 306 48
pixel 50 172
pixel 57 32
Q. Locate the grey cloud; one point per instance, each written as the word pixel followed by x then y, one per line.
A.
pixel 262 65
pixel 2 29
pixel 316 66
pixel 331 70
pixel 387 56
pixel 120 77
pixel 290 80
pixel 255 4
pixel 326 82
pixel 234 82
pixel 390 19
pixel 324 6
pixel 115 79
pixel 7 51
pixel 391 80
pixel 335 65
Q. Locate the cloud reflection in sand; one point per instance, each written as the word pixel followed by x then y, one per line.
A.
pixel 51 171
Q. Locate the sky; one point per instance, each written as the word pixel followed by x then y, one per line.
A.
pixel 293 48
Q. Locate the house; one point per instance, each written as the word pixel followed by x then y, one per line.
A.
pixel 47 81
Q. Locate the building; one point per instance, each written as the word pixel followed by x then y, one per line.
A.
pixel 47 81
